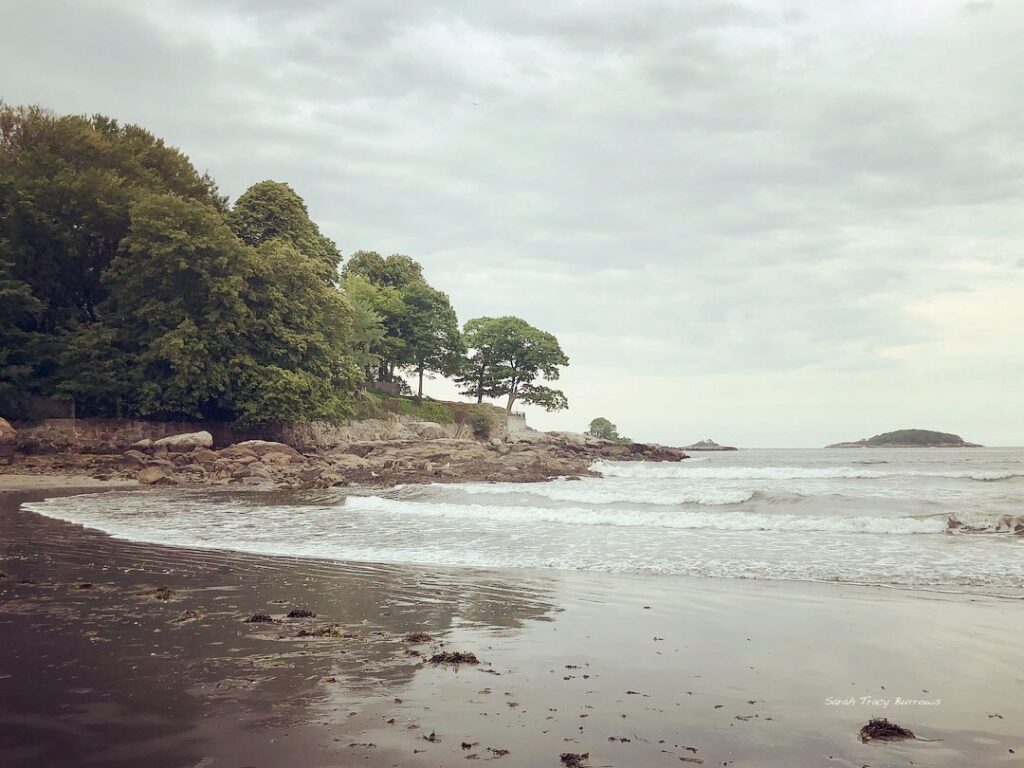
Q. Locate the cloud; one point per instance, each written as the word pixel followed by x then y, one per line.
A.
pixel 684 192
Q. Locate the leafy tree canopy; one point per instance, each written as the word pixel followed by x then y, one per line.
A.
pixel 272 210
pixel 604 429
pixel 430 332
pixel 67 184
pixel 514 358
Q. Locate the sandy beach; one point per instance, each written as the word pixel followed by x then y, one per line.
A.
pixel 102 666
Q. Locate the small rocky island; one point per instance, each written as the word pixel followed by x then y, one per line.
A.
pixel 907 438
pixel 708 445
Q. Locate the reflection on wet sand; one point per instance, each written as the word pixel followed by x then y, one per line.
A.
pixel 99 666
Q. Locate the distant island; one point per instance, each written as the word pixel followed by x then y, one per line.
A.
pixel 909 438
pixel 708 445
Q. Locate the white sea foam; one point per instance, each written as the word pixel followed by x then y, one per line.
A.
pixel 681 471
pixel 597 491
pixel 583 516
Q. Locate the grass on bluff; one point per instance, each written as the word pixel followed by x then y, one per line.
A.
pixel 376 405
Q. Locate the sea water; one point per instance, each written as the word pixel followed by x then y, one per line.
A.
pixel 944 519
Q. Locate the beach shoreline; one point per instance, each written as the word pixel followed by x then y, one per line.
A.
pixel 634 670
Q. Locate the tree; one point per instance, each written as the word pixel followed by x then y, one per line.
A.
pixel 298 362
pixel 604 429
pixel 481 335
pixel 272 210
pixel 396 271
pixel 178 308
pixel 430 332
pixel 386 283
pixel 18 310
pixel 514 356
pixel 378 312
pixel 66 187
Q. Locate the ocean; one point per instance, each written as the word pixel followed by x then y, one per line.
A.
pixel 936 519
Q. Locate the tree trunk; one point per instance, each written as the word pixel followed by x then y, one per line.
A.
pixel 511 400
pixel 419 395
pixel 480 387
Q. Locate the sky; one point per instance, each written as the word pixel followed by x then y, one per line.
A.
pixel 770 224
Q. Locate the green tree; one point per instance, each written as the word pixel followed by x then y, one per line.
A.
pixel 481 335
pixel 18 311
pixel 393 280
pixel 67 184
pixel 430 333
pixel 178 307
pixel 514 357
pixel 272 210
pixel 396 271
pixel 377 316
pixel 601 427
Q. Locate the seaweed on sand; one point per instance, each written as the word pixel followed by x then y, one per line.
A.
pixel 574 760
pixel 454 657
pixel 881 729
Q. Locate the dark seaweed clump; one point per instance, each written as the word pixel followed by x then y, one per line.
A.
pixel 881 729
pixel 260 618
pixel 454 657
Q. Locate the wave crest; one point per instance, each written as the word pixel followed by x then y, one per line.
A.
pixel 680 471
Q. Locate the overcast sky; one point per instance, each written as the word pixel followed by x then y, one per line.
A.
pixel 772 224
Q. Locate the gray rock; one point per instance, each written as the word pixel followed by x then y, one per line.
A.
pixel 153 476
pixel 8 438
pixel 427 430
pixel 185 442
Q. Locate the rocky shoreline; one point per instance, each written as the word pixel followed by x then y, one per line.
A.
pixel 190 459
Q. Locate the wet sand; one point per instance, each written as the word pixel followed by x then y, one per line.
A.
pixel 97 669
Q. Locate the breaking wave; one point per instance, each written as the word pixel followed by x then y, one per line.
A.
pixel 681 471
pixel 678 519
pixel 595 491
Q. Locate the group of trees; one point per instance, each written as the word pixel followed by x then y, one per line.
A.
pixel 128 284
pixel 604 429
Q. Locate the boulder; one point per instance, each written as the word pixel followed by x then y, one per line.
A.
pixel 185 442
pixel 143 445
pixel 427 430
pixel 328 480
pixel 349 461
pixel 8 438
pixel 279 458
pixel 132 459
pixel 153 476
pixel 263 447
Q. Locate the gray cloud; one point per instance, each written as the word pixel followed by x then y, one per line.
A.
pixel 677 189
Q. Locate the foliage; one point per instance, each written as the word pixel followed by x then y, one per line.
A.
pixel 66 188
pixel 396 271
pixel 298 363
pixel 509 358
pixel 18 309
pixel 379 313
pixel 178 308
pixel 480 335
pixel 481 421
pixel 128 285
pixel 604 429
pixel 430 331
pixel 272 211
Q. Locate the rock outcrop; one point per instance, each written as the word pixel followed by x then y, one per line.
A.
pixel 532 456
pixel 708 445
